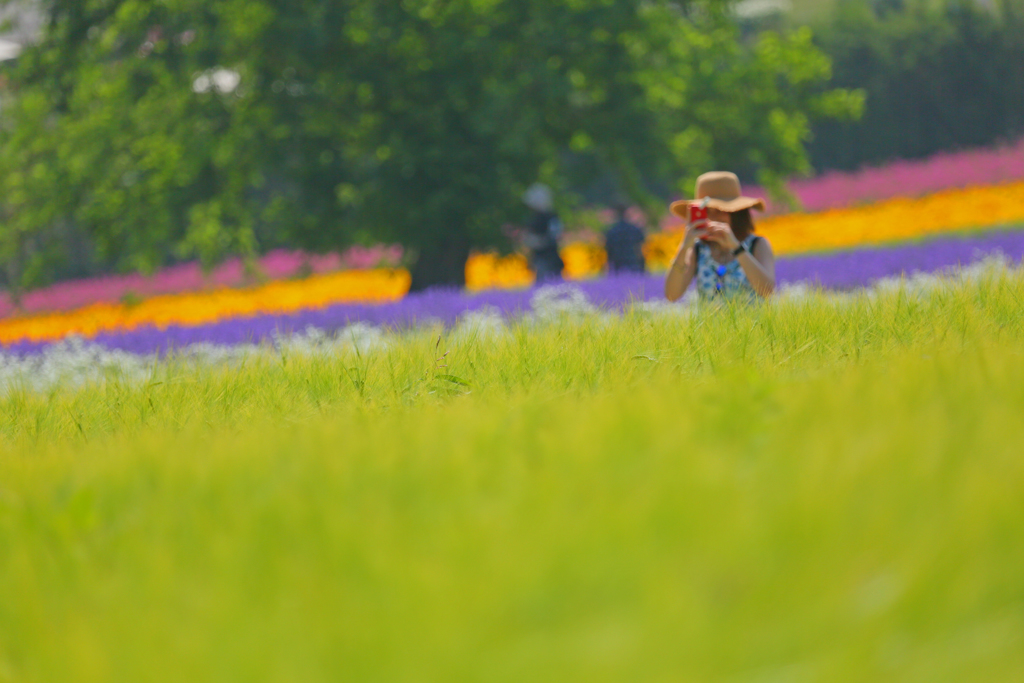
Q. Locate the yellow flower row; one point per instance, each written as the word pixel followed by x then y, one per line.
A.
pixel 491 271
pixel 889 221
pixel 287 296
pixel 897 219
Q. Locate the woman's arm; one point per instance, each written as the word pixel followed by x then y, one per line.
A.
pixel 684 266
pixel 759 267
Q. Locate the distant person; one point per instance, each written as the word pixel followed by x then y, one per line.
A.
pixel 543 234
pixel 721 252
pixel 624 243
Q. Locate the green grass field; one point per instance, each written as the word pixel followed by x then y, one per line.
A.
pixel 814 490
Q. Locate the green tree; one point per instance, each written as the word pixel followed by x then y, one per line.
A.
pixel 355 120
pixel 938 76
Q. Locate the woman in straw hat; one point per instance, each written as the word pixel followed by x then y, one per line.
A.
pixel 722 253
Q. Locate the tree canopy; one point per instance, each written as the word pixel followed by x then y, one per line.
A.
pixel 156 129
pixel 938 76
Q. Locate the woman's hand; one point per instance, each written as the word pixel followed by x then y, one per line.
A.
pixel 721 234
pixel 694 232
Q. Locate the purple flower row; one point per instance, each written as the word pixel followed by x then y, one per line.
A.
pixel 861 267
pixel 841 270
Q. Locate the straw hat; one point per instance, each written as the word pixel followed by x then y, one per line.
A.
pixel 723 192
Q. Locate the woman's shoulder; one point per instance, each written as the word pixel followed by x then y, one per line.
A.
pixel 759 242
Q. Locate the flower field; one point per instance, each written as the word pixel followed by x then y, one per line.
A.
pixel 844 245
pixel 189 277
pixel 192 310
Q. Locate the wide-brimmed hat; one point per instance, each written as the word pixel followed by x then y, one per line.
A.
pixel 722 191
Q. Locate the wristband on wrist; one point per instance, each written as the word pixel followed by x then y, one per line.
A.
pixel 739 250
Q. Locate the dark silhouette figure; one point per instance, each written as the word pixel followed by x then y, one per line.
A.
pixel 542 237
pixel 624 243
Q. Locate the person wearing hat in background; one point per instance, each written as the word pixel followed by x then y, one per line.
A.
pixel 542 237
pixel 722 253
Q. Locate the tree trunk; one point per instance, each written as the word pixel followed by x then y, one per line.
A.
pixel 441 265
pixel 13 268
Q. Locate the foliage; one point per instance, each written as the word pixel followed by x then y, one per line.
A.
pixel 355 120
pixel 938 76
pixel 816 490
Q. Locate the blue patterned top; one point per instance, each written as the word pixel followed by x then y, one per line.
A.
pixel 728 279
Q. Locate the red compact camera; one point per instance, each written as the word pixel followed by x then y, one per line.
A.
pixel 699 211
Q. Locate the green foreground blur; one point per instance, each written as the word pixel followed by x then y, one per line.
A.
pixel 815 490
